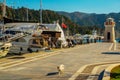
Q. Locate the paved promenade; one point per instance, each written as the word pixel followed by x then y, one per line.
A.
pixel 80 60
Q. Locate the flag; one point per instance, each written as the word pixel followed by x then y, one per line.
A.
pixel 64 25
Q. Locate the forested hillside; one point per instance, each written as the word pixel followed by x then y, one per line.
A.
pixel 48 17
pixel 85 19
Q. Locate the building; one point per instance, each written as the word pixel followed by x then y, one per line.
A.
pixel 109 35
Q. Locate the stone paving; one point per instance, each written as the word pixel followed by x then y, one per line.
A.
pixel 45 68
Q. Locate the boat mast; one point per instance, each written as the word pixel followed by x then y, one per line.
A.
pixel 40 11
pixel 27 14
pixel 4 15
pixel 4 8
pixel 13 10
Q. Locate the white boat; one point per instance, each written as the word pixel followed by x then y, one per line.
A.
pixel 37 36
pixel 4 48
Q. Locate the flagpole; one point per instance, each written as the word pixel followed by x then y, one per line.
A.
pixel 63 28
pixel 68 32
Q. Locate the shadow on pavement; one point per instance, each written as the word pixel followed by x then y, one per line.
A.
pixel 17 57
pixel 112 53
pixel 101 75
pixel 51 74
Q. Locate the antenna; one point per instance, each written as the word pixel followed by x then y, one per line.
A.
pixel 41 11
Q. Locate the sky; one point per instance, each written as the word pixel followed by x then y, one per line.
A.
pixel 86 6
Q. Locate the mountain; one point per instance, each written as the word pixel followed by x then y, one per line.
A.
pixel 86 19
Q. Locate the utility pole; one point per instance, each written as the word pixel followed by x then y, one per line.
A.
pixel 40 11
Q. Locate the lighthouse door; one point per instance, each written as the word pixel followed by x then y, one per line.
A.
pixel 108 36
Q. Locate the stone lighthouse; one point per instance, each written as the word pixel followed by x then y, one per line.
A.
pixel 109 35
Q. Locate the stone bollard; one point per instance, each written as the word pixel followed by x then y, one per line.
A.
pixel 60 69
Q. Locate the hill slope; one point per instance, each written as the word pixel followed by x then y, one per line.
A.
pixel 85 19
pixel 51 16
pixel 48 17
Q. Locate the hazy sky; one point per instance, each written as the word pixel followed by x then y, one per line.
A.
pixel 87 6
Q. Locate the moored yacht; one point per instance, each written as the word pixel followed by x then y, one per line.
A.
pixel 37 36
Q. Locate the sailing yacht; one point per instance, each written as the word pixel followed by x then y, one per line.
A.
pixel 4 43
